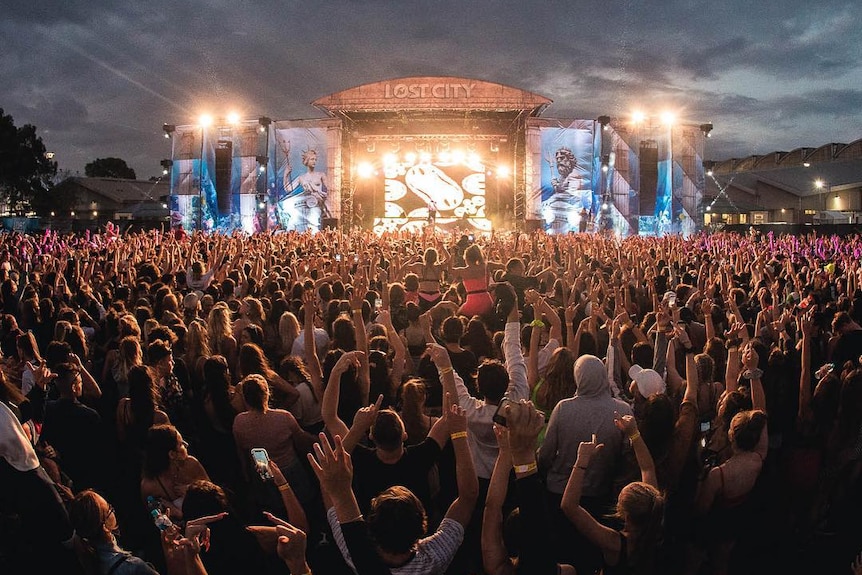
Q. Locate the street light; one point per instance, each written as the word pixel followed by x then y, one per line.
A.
pixel 824 187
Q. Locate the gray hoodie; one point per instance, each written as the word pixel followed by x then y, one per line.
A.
pixel 590 411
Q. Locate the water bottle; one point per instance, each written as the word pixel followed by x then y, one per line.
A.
pixel 160 518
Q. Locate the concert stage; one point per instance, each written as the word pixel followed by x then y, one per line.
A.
pixel 479 155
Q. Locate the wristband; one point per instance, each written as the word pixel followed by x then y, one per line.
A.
pixel 525 468
pixel 752 373
pixel 634 436
pixel 581 468
pixel 537 323
pixel 458 435
pixel 357 310
pixel 446 370
pixel 283 487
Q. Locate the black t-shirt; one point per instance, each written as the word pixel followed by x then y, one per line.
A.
pixel 371 476
pixel 73 429
pixel 521 285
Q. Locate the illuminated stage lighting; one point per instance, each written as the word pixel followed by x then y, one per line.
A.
pixel 638 117
pixel 410 157
pixel 232 118
pixel 164 206
pixel 475 158
pixel 668 118
pixel 261 205
pixel 806 164
pixel 365 170
pixel 458 156
pixel 445 156
pixel 709 208
pixel 205 120
pixel 166 166
pixel 168 129
pixel 706 129
pixel 605 206
pixel 389 159
pixel 503 172
pixel 264 123
pixel 708 165
pixel 425 157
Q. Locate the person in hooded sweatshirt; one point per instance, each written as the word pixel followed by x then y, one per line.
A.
pixel 588 416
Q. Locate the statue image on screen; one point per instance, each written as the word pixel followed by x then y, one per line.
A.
pixel 568 185
pixel 302 206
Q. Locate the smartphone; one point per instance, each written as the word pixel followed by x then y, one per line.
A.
pixel 499 415
pixel 338 257
pixel 471 237
pixel 261 462
pixel 705 426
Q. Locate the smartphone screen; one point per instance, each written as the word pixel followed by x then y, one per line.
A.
pixel 378 303
pixel 261 462
pixel 338 257
pixel 500 415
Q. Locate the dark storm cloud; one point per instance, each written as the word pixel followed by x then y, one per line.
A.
pixel 99 78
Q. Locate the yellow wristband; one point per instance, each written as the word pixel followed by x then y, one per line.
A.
pixel 525 468
pixel 634 436
pixel 446 370
pixel 458 435
pixel 357 310
pixel 284 487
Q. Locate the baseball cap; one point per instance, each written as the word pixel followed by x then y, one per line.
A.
pixel 648 381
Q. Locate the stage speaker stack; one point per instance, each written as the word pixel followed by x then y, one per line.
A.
pixel 532 225
pixel 649 177
pixel 223 165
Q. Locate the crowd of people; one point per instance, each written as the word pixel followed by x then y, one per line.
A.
pixel 427 404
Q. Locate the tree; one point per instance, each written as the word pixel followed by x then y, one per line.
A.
pixel 26 172
pixel 109 168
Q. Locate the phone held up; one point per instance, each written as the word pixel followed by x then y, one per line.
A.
pixel 261 462
pixel 500 415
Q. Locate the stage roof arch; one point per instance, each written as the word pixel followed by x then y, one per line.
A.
pixel 429 93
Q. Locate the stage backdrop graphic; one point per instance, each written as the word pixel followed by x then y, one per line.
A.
pixel 304 190
pixel 454 180
pixel 561 170
pixel 194 198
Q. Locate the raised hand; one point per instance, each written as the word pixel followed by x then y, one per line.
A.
pixel 524 423
pixel 750 357
pixel 439 355
pixel 332 466
pixel 456 418
pixel 586 451
pixel 365 416
pixel 626 423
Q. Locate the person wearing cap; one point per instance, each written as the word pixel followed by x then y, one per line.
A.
pixel 590 413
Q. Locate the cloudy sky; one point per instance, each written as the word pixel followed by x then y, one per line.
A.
pixel 98 78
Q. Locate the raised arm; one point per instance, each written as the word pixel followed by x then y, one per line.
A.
pixel 385 319
pixel 356 302
pixel 461 509
pixel 629 427
pixel 312 362
pixel 806 326
pixel 495 558
pixel 603 537
pixel 329 407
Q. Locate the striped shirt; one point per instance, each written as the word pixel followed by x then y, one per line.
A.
pixel 433 553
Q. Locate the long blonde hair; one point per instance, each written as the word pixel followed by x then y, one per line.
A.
pixel 219 326
pixel 197 344
pixel 288 330
pixel 129 354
